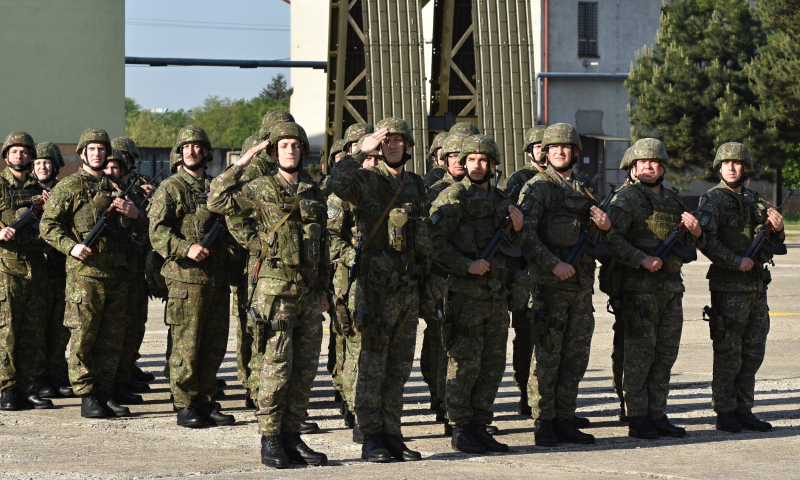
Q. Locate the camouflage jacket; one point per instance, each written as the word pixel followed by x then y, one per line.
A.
pixel 56 264
pixel 556 210
pixel 180 218
pixel 19 256
pixel 434 175
pixel 465 218
pixel 74 208
pixel 343 236
pixel 437 188
pixel 140 242
pixel 641 220
pixel 517 180
pixel 730 221
pixel 294 245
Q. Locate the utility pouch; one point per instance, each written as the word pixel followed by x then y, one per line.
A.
pixel 398 218
pixel 312 239
pixel 422 237
pixel 371 338
pixel 562 230
pixel 342 315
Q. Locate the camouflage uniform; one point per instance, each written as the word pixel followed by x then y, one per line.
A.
pixel 387 290
pixel 730 221
pixel 435 171
pixel 465 128
pixel 22 312
pixel 465 218
pixel 197 307
pixel 293 276
pixel 97 287
pixel 652 301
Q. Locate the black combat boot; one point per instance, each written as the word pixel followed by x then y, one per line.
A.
pixel 448 429
pixel 566 432
pixel 398 450
pixel 8 400
pixel 750 422
pixel 112 407
pixel 189 418
pixel 580 422
pixel 38 403
pixel 357 437
pixel 65 389
pixel 248 400
pixel 141 375
pixel 726 422
pixel 640 427
pixel 45 388
pixel 337 397
pixel 441 414
pixel 136 386
pixel 347 415
pixel 211 414
pixel 543 434
pixel 665 428
pixel 122 394
pixel 492 430
pixel 373 450
pixel 622 416
pixel 523 408
pixel 464 441
pixel 221 383
pixel 91 408
pixel 272 454
pixel 485 439
pixel 300 453
pixel 307 428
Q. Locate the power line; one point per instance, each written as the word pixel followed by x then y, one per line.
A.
pixel 206 25
pixel 193 22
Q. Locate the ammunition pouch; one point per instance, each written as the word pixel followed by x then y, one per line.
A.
pixel 372 331
pixel 718 323
pixel 635 317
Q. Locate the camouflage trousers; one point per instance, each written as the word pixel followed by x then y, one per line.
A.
pixel 198 317
pixel 244 336
pixel 337 349
pixel 290 360
pixel 22 331
pixel 653 324
pixel 561 354
pixel 430 360
pixel 476 357
pixel 96 316
pixel 738 358
pixel 352 351
pixel 383 372
pixel 136 316
pixel 56 335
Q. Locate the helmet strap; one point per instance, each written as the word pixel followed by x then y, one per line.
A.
pixel 657 183
pixel 485 179
pixel 403 161
pixel 291 170
pixel 20 168
pixel 194 168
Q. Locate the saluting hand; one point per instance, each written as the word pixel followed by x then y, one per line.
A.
pixel 372 142
pixel 248 155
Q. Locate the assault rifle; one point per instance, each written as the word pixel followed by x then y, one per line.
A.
pixel 498 241
pixel 762 241
pixel 100 228
pixel 585 242
pixel 213 233
pixel 253 281
pixel 674 244
pixel 28 217
pixel 353 273
pixel 152 190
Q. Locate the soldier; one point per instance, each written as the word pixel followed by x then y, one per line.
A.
pixel 22 322
pixel 197 278
pixel 643 215
pixel 465 217
pixel 127 147
pixel 46 167
pixel 292 288
pixel 97 278
pixel 390 209
pixel 437 166
pixel 558 204
pixel 353 134
pixel 344 237
pixel 730 216
pixel 521 320
pixel 465 128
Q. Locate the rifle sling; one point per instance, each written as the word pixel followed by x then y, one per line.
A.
pixel 383 216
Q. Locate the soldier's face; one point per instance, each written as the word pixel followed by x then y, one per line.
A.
pixel 477 165
pixel 43 168
pixel 731 171
pixel 371 161
pixel 337 157
pixel 537 149
pixel 114 168
pixel 454 166
pixel 438 156
pixel 559 155
pixel 192 153
pixel 649 170
pixel 393 147
pixel 351 148
pixel 290 152
pixel 95 154
pixel 18 155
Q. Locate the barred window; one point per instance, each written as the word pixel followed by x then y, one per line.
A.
pixel 587 29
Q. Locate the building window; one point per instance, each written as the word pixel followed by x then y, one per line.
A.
pixel 587 29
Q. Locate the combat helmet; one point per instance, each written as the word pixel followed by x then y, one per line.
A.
pixel 466 128
pixel 397 126
pixel 453 144
pixel 534 136
pixel 175 159
pixel 272 118
pixel 438 142
pixel 20 139
pixel 94 135
pixel 283 131
pixel 649 149
pixel 480 144
pixel 354 133
pixel 338 146
pixel 626 163
pixel 117 155
pixel 49 151
pixel 733 151
pixel 250 142
pixel 560 134
pixel 126 146
pixel 193 134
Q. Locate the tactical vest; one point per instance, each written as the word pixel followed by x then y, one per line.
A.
pixel 93 202
pixel 564 218
pixel 739 216
pixel 15 200
pixel 661 216
pixel 197 220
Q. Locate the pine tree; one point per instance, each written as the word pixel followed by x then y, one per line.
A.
pixel 690 88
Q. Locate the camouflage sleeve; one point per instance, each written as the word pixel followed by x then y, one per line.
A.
pixel 164 237
pixel 58 208
pixel 231 197
pixel 708 216
pixel 244 232
pixel 445 217
pixel 621 215
pixel 532 208
pixel 341 250
pixel 346 179
pixel 323 283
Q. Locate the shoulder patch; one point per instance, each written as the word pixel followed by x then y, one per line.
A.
pixel 705 217
pixel 332 212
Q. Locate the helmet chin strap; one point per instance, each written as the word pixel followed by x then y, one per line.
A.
pixel 195 167
pixel 294 169
pixel 20 168
pixel 403 161
pixel 657 183
pixel 568 167
pixel 486 177
pixel 736 184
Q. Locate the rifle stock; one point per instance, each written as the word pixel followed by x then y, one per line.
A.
pixel 585 242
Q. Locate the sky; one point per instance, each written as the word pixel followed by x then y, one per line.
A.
pixel 232 30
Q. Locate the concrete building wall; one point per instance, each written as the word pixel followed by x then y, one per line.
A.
pixel 309 25
pixel 63 68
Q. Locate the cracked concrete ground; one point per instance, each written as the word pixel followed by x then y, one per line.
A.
pixel 58 443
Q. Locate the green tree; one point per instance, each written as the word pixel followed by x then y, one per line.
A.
pixel 277 90
pixel 690 89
